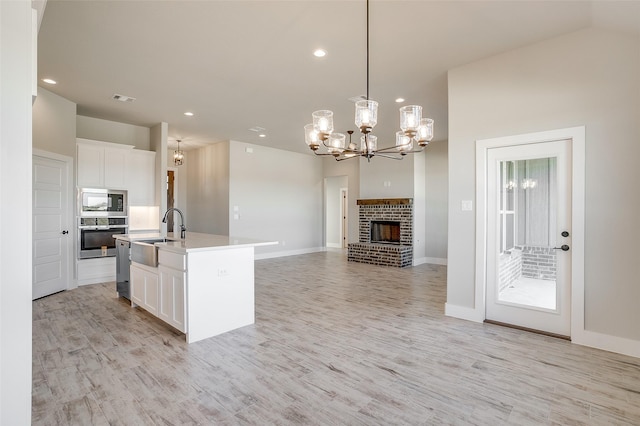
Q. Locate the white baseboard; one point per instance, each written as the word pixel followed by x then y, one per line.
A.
pixel 462 312
pixel 591 339
pixel 288 253
pixel 334 245
pixel 429 260
pixel 607 342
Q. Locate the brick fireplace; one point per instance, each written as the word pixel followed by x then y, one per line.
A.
pixel 389 221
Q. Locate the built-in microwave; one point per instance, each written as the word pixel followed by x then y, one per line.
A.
pixel 94 202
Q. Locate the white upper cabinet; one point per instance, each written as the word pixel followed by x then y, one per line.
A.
pixel 140 176
pixel 90 166
pixel 115 162
pixel 116 166
pixel 101 164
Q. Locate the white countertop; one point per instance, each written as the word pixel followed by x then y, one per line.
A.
pixel 195 241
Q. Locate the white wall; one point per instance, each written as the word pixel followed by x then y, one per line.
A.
pixel 207 174
pixel 436 190
pixel 589 78
pixel 54 124
pixel 15 212
pixel 113 131
pixel 278 195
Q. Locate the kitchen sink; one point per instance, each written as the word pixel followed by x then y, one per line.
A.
pixel 145 251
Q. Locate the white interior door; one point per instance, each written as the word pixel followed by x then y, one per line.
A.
pixel 51 226
pixel 529 236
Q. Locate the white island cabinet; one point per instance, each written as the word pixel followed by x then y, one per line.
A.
pixel 203 285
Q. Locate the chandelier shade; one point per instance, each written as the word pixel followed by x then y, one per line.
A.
pixel 366 115
pixel 178 156
pixel 337 143
pixel 323 122
pixel 410 117
pixel 414 129
pixel 368 143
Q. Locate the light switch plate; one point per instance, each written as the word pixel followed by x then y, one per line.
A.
pixel 466 205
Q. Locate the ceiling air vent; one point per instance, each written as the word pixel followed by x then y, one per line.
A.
pixel 122 98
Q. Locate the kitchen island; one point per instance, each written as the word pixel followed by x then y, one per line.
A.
pixel 202 285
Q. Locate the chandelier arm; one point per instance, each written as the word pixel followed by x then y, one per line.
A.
pixel 389 156
pixel 389 148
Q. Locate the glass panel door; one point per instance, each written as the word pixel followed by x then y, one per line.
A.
pixel 528 208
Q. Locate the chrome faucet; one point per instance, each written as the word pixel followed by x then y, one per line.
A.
pixel 183 230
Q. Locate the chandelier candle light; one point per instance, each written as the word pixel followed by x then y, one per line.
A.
pixel 415 129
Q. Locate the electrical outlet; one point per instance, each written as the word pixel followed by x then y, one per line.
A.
pixel 223 272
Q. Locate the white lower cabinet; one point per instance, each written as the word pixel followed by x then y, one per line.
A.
pixel 145 286
pixel 173 297
pixel 162 291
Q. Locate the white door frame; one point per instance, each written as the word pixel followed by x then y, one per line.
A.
pixel 71 199
pixel 344 217
pixel 577 137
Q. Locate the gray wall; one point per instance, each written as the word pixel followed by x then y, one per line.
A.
pixel 333 205
pixel 207 197
pixel 54 124
pixel 589 78
pixel 374 174
pixel 279 197
pixel 113 131
pixel 436 191
pixel 180 186
pixel 422 177
pixel 351 170
pixel 419 207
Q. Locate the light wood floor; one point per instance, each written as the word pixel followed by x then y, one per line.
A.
pixel 334 343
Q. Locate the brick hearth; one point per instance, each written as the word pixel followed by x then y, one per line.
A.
pixel 387 209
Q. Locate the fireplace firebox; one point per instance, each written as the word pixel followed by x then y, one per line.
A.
pixel 385 231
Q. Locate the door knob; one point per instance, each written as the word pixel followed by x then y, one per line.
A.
pixel 565 234
pixel 563 247
pixel 65 232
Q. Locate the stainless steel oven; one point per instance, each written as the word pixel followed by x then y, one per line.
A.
pixel 95 235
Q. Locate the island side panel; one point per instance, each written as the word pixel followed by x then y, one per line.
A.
pixel 220 291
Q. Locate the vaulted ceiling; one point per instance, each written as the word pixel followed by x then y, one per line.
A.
pixel 242 65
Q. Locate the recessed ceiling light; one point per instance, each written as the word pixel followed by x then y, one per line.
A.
pixel 49 81
pixel 319 53
pixel 188 114
pixel 262 135
pixel 400 100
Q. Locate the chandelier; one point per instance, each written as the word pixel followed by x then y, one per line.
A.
pixel 178 155
pixel 415 130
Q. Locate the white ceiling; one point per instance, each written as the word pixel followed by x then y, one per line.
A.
pixel 241 64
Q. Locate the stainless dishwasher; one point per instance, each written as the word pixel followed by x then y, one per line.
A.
pixel 123 253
